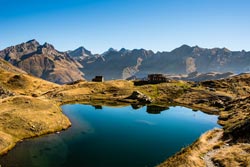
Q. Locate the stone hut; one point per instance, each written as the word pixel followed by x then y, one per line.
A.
pixel 157 78
pixel 98 79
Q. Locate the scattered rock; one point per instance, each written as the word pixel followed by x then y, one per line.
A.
pixel 218 103
pixel 33 128
pixel 225 98
pixel 34 95
pixel 136 95
pixel 18 81
pixel 212 89
pixel 5 93
pixel 202 101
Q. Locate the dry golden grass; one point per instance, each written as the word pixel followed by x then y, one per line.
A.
pixel 25 84
pixel 23 117
pixel 6 142
pixel 193 155
pixel 24 114
pixel 235 155
pixel 236 86
pixel 192 98
pixel 87 92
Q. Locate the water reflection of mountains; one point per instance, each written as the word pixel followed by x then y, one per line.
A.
pixel 97 107
pixel 151 109
pixel 156 109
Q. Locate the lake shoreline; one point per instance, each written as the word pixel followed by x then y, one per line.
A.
pixel 114 103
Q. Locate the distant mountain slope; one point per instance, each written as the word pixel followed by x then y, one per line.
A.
pixel 125 63
pixel 43 61
pixel 115 64
pixel 195 76
pixel 186 59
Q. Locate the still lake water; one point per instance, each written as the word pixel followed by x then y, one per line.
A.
pixel 113 137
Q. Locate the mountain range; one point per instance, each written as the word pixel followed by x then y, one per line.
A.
pixel 46 62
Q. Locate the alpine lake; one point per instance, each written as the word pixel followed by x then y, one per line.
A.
pixel 102 136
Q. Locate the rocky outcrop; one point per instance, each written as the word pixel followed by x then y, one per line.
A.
pixel 235 119
pixel 190 65
pixel 131 71
pixel 5 93
pixel 140 97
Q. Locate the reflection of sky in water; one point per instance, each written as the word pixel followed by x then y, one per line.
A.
pixel 145 122
pixel 113 136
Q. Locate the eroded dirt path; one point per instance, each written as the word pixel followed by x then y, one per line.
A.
pixel 208 157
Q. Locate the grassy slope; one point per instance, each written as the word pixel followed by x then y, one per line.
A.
pixel 23 84
pixel 25 113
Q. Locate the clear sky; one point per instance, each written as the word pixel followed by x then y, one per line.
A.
pixel 160 25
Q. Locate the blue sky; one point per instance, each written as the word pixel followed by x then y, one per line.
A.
pixel 160 25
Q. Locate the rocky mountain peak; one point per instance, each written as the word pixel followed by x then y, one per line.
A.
pixel 197 49
pixel 142 52
pixel 183 49
pixel 112 50
pixel 48 46
pixel 84 51
pixel 80 53
pixel 123 50
pixel 33 41
pixel 226 50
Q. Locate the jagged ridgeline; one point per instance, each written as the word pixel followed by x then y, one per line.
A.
pixel 46 62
